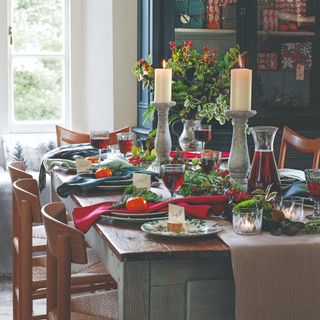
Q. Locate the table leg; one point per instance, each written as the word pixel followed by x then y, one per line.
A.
pixel 54 195
pixel 134 290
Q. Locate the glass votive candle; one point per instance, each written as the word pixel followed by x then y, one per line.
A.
pixel 247 220
pixel 293 209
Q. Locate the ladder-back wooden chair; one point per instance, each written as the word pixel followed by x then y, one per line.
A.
pixel 28 278
pixel 17 172
pixel 67 245
pixel 90 278
pixel 301 144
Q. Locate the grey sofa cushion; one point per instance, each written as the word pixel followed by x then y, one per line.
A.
pixel 5 223
pixel 28 148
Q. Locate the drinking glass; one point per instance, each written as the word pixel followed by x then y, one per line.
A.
pixel 125 141
pixel 293 209
pixel 247 220
pixel 173 177
pixel 99 139
pixel 202 133
pixel 313 185
pixel 209 159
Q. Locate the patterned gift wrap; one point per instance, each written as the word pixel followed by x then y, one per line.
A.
pixel 293 6
pixel 296 53
pixel 213 14
pixel 191 14
pixel 270 20
pixel 267 61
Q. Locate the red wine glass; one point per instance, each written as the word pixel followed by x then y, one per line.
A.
pixel 173 177
pixel 125 141
pixel 202 133
pixel 313 185
pixel 210 159
pixel 99 139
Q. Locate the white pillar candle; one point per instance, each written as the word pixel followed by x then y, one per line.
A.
pixel 241 88
pixel 163 85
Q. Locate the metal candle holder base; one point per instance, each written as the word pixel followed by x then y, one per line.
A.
pixel 239 161
pixel 163 138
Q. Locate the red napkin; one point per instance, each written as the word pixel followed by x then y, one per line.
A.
pixel 195 206
pixel 192 155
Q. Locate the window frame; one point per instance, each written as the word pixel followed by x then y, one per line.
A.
pixel 40 126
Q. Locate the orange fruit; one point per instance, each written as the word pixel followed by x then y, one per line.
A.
pixel 136 204
pixel 103 173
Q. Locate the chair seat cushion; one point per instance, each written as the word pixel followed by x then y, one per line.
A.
pixel 93 259
pixel 39 232
pixel 101 305
pixel 38 241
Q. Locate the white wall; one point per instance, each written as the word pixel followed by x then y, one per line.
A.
pixel 97 59
pixel 109 49
pixel 125 41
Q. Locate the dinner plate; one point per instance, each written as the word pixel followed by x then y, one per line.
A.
pixel 129 219
pixel 140 215
pixel 194 228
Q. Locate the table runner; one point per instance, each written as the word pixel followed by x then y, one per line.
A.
pixel 276 278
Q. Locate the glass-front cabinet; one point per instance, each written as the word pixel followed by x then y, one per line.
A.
pixel 280 40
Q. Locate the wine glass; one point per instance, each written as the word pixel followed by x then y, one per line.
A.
pixel 202 132
pixel 209 159
pixel 173 177
pixel 125 141
pixel 313 185
pixel 99 139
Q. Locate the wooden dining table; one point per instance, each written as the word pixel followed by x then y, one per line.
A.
pixel 159 278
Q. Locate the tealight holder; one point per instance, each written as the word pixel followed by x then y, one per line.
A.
pixel 293 209
pixel 247 221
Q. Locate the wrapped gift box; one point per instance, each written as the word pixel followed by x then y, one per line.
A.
pixel 267 61
pixel 269 20
pixel 213 14
pixel 190 14
pixel 295 53
pixel 294 6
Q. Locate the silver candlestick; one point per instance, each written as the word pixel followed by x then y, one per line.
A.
pixel 239 161
pixel 163 138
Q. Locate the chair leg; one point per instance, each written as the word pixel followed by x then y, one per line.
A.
pixel 25 253
pixel 15 273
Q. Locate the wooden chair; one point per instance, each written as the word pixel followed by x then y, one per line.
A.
pixel 29 271
pixel 67 245
pixel 17 171
pixel 66 136
pixel 300 143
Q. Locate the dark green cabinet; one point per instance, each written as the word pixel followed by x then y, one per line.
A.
pixel 282 41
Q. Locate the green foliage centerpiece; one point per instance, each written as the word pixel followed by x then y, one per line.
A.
pixel 201 82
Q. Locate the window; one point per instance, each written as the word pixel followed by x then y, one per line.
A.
pixel 38 64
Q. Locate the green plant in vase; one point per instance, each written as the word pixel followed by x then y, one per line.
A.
pixel 201 83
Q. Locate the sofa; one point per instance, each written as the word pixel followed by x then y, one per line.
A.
pixel 28 148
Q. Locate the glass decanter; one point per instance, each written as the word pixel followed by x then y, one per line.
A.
pixel 264 170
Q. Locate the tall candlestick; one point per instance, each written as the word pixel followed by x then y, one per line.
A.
pixel 241 87
pixel 163 84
